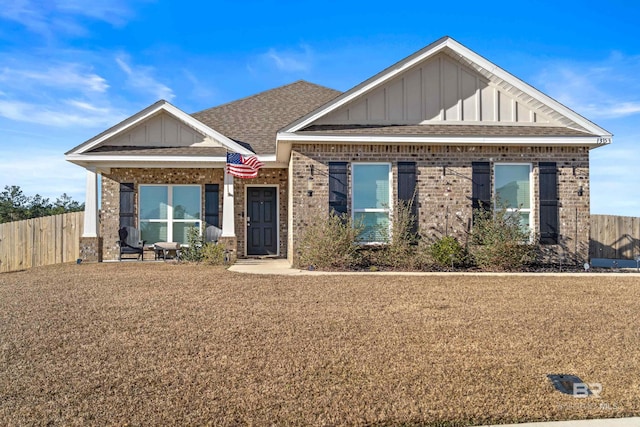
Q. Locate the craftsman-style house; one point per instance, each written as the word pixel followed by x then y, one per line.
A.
pixel 444 127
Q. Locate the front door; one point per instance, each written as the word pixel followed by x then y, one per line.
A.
pixel 262 221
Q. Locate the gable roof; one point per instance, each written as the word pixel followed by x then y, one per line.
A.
pixel 254 121
pixel 153 110
pixel 535 101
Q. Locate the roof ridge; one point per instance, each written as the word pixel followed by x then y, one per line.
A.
pixel 255 95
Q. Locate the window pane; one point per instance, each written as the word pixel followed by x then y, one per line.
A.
pixel 181 231
pixel 376 226
pixel 371 186
pixel 524 221
pixel 512 185
pixel 153 202
pixel 186 202
pixel 153 232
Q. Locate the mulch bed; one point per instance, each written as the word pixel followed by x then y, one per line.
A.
pixel 160 343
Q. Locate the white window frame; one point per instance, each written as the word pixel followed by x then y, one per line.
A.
pixel 170 220
pixel 528 210
pixel 387 210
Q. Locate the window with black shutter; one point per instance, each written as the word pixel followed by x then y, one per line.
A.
pixel 407 189
pixel 481 186
pixel 127 204
pixel 548 209
pixel 212 204
pixel 338 187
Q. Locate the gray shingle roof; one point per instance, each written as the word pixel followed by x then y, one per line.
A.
pixel 254 121
pixel 127 150
pixel 441 130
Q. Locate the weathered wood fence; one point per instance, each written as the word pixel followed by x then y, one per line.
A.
pixel 40 241
pixel 616 237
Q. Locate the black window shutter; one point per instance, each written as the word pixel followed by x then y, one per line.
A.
pixel 407 188
pixel 212 204
pixel 127 203
pixel 548 209
pixel 338 187
pixel 481 185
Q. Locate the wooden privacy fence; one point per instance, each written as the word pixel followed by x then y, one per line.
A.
pixel 615 237
pixel 40 241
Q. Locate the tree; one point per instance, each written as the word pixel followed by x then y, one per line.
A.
pixel 15 205
pixel 12 204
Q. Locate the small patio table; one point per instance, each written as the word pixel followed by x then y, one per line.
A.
pixel 166 249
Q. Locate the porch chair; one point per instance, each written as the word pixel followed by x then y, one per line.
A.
pixel 130 243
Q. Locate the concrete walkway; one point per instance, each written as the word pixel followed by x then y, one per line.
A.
pixel 281 266
pixel 610 422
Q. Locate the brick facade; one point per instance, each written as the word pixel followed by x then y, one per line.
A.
pixel 444 187
pixel 443 190
pixel 110 210
pixel 91 249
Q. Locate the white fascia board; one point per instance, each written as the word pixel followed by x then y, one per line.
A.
pixel 160 161
pixel 142 159
pixel 152 110
pixel 451 140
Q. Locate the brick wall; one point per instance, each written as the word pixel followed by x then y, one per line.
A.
pixel 271 177
pixel 110 210
pixel 444 186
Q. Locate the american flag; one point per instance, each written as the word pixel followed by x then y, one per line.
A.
pixel 243 167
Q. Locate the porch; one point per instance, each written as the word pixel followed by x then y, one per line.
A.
pixel 164 202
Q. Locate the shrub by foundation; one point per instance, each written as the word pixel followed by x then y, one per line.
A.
pixel 499 240
pixel 448 252
pixel 330 243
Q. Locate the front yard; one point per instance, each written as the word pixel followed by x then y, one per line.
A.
pixel 158 343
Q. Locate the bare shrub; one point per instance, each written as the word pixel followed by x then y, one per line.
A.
pixel 499 240
pixel 330 243
pixel 213 253
pixel 448 252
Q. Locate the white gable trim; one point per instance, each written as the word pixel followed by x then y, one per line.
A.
pixel 150 111
pixel 113 161
pixel 429 51
pixel 590 141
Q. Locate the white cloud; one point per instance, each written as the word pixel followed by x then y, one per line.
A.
pixel 55 17
pixel 198 89
pixel 42 172
pixel 141 78
pixel 609 88
pixel 78 114
pixel 114 12
pixel 65 75
pixel 28 14
pixel 290 61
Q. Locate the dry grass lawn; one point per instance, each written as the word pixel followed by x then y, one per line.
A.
pixel 155 343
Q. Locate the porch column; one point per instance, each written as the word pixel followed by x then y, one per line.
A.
pixel 228 215
pixel 91 205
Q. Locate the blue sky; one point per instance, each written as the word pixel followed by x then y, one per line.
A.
pixel 69 69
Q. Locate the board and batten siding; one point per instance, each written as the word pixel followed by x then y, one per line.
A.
pixel 40 241
pixel 162 130
pixel 438 90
